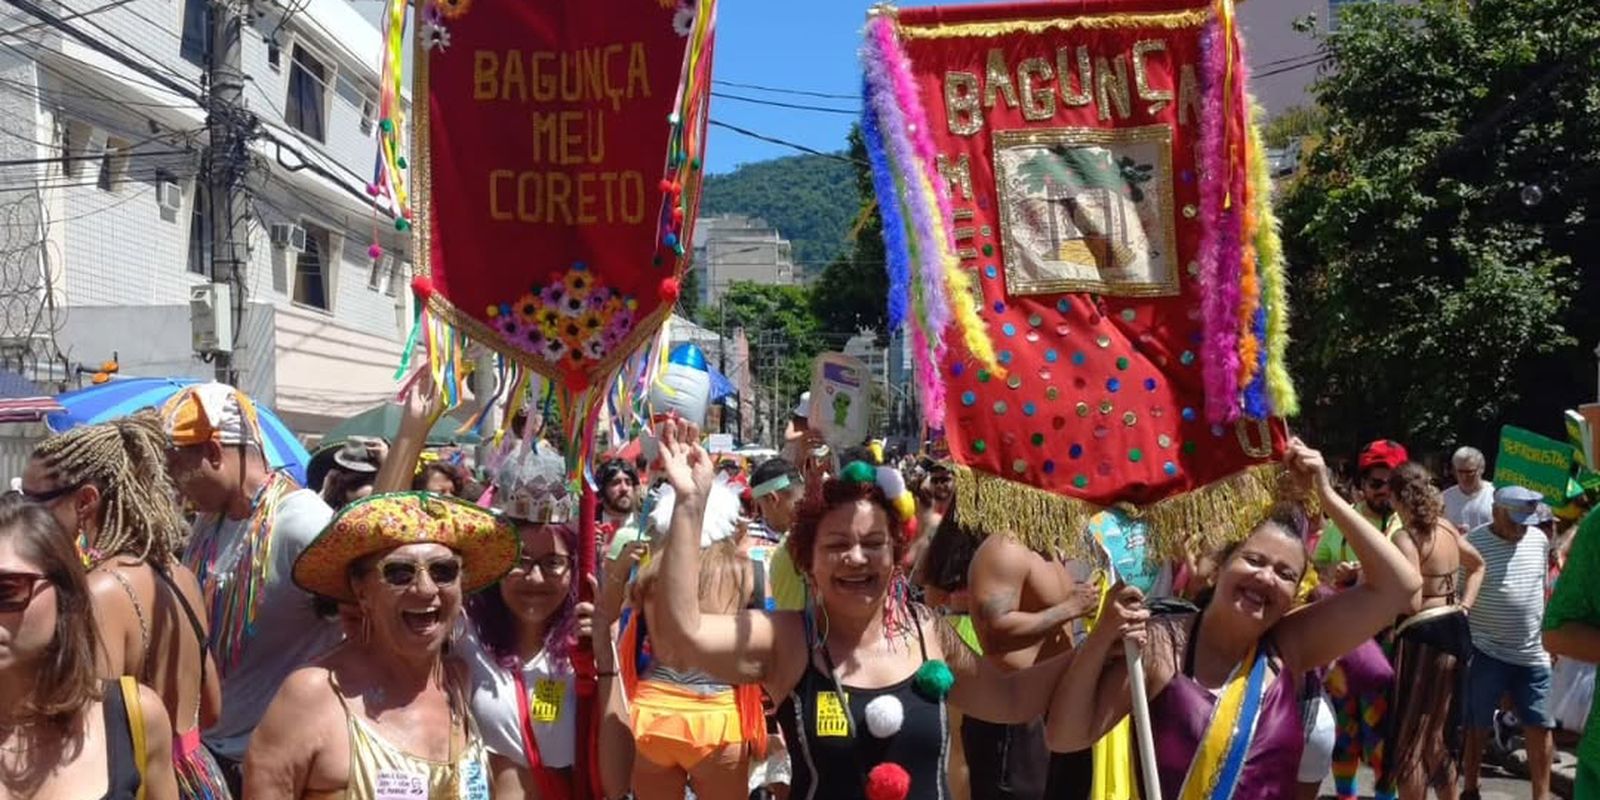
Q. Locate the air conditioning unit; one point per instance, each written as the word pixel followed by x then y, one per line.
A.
pixel 211 318
pixel 169 195
pixel 291 237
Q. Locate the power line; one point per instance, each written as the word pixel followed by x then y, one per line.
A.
pixel 1291 68
pixel 776 90
pixel 757 101
pixel 784 143
pixel 20 162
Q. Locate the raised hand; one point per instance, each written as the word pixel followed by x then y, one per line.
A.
pixel 685 463
pixel 1309 469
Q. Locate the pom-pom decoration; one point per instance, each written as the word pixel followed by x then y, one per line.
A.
pixel 670 289
pixel 933 679
pixel 885 715
pixel 375 251
pixel 858 472
pixel 888 781
pixel 422 287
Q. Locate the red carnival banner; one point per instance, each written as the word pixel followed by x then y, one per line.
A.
pixel 558 173
pixel 1082 177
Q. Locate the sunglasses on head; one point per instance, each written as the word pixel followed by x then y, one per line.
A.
pixel 17 589
pixel 51 495
pixel 444 572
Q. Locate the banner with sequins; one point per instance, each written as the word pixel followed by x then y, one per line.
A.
pixel 558 171
pixel 1099 182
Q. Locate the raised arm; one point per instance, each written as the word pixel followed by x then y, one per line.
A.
pixel 735 648
pixel 1332 627
pixel 990 692
pixel 999 572
pixel 421 410
pixel 1093 695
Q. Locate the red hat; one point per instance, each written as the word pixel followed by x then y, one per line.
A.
pixel 1385 453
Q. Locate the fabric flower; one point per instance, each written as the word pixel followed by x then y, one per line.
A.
pixel 592 322
pixel 596 348
pixel 435 37
pixel 554 349
pixel 554 294
pixel 527 308
pixel 578 283
pixel 453 9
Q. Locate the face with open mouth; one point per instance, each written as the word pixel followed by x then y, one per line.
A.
pixel 541 581
pixel 412 595
pixel 1260 580
pixel 853 556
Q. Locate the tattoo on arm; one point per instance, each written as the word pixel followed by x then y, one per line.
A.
pixel 998 603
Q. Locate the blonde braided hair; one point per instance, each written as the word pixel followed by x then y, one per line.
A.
pixel 126 459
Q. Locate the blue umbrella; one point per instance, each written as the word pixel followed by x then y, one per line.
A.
pixel 124 396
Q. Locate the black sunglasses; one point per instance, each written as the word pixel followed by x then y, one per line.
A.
pixel 443 573
pixel 1376 484
pixel 17 589
pixel 51 495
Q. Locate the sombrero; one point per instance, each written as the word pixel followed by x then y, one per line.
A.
pixel 486 542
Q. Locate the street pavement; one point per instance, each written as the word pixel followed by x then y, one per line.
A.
pixel 1497 783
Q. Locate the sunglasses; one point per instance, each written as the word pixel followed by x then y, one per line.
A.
pixel 1376 484
pixel 401 574
pixel 17 589
pixel 51 495
pixel 553 565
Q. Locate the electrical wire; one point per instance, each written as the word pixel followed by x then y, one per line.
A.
pixel 776 90
pixel 796 106
pixel 716 123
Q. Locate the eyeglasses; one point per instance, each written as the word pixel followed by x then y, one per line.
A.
pixel 51 495
pixel 553 565
pixel 17 589
pixel 1376 483
pixel 404 573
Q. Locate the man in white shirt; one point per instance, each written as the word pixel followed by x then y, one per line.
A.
pixel 1470 503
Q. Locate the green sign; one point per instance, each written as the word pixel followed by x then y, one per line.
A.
pixel 1536 462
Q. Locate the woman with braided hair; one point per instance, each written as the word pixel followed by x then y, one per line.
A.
pixel 107 484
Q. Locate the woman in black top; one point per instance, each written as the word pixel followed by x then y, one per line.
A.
pixel 863 674
pixel 63 731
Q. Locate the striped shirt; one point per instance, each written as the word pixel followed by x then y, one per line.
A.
pixel 1510 608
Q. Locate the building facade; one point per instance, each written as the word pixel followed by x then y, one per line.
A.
pixel 730 248
pixel 103 174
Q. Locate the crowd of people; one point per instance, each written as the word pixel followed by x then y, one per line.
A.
pixel 177 619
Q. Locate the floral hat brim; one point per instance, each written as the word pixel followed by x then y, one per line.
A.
pixel 486 542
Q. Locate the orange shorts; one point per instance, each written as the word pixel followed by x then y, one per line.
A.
pixel 678 727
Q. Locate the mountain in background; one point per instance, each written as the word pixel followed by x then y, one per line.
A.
pixel 811 200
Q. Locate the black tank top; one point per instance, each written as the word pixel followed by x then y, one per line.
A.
pixel 830 756
pixel 120 760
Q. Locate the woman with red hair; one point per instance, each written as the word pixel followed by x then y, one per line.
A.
pixel 863 674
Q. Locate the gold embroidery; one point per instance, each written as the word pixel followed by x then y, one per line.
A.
pixel 1037 104
pixel 1188 94
pixel 1112 87
pixel 1247 442
pixel 957 174
pixel 998 77
pixel 961 103
pixel 1085 93
pixel 1168 20
pixel 1158 98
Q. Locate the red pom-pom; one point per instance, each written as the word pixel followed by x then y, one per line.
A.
pixel 910 528
pixel 422 287
pixel 666 185
pixel 677 216
pixel 677 188
pixel 888 782
pixel 670 288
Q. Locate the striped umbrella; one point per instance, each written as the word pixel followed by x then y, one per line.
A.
pixel 120 397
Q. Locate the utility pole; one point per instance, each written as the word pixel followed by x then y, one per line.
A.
pixel 227 159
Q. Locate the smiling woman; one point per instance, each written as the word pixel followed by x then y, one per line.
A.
pixel 387 708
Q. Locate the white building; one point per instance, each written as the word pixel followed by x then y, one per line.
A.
pixel 730 248
pixel 102 190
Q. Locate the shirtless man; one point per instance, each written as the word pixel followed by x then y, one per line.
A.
pixel 1023 604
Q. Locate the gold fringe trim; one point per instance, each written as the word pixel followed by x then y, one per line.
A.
pixel 1170 20
pixel 1197 521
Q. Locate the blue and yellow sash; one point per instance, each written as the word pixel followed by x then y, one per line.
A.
pixel 1216 767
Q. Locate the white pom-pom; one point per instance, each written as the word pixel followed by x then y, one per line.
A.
pixel 885 715
pixel 891 482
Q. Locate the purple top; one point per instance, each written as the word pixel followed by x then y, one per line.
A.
pixel 1182 711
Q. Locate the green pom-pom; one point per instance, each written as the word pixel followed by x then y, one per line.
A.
pixel 401 162
pixel 387 125
pixel 402 224
pixel 933 679
pixel 859 472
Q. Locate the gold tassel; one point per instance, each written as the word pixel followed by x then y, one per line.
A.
pixel 1168 20
pixel 1200 520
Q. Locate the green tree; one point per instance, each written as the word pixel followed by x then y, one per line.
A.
pixel 778 317
pixel 798 195
pixel 689 293
pixel 851 292
pixel 1437 235
pixel 1294 122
